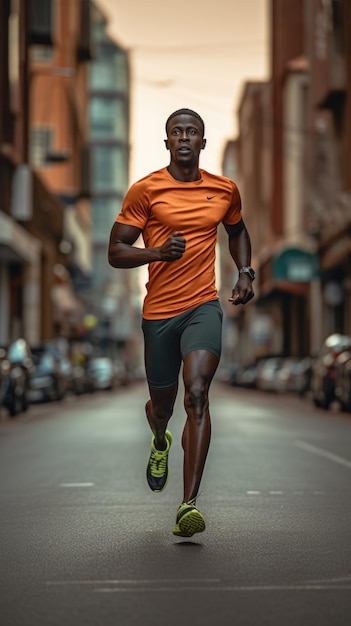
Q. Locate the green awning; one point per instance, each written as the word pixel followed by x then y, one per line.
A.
pixel 295 265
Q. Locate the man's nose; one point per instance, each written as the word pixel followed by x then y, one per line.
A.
pixel 184 136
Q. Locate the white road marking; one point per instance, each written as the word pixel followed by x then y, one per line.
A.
pixel 77 485
pixel 238 589
pixel 129 581
pixel 324 453
pixel 186 585
pixel 283 493
pixel 339 579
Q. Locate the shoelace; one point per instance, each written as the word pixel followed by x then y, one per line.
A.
pixel 193 501
pixel 158 462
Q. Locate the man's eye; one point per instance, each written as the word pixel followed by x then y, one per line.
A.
pixel 192 131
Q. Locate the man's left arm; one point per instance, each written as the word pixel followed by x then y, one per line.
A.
pixel 240 250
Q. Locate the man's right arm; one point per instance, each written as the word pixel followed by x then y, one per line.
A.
pixel 122 253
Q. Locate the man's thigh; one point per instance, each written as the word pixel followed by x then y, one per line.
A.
pixel 203 329
pixel 168 341
pixel 199 369
pixel 162 352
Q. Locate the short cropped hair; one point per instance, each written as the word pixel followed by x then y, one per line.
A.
pixel 186 112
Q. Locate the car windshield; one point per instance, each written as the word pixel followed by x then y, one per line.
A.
pixel 17 351
pixel 338 342
pixel 334 345
pixel 104 366
pixel 45 363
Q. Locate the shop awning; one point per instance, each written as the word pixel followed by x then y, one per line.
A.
pixel 295 265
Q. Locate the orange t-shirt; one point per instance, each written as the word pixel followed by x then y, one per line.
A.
pixel 160 205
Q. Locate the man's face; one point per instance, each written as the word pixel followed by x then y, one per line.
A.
pixel 184 139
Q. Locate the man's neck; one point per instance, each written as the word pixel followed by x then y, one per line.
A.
pixel 184 174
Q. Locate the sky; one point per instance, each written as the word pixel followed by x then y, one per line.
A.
pixel 196 54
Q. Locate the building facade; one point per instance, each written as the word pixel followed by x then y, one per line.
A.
pixel 60 49
pixel 293 162
pixel 113 296
pixel 20 251
pixel 328 26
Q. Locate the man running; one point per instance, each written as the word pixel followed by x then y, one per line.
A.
pixel 177 209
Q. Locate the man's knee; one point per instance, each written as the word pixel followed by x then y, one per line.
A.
pixel 196 398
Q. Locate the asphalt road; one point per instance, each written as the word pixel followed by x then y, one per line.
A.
pixel 85 542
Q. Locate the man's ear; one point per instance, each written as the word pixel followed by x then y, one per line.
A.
pixel 166 143
pixel 203 144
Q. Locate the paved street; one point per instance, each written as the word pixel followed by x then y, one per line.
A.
pixel 85 542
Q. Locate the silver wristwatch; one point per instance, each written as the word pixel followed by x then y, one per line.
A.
pixel 248 270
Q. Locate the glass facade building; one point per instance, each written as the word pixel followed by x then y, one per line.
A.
pixel 109 107
pixel 109 90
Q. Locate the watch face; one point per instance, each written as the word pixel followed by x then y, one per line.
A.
pixel 251 273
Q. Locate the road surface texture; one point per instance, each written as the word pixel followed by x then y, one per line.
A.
pixel 84 542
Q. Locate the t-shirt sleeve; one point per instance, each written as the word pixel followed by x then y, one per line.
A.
pixel 135 208
pixel 233 215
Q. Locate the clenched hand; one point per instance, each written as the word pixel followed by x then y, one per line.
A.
pixel 242 292
pixel 174 247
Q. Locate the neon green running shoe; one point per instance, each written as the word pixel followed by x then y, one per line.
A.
pixel 157 468
pixel 189 520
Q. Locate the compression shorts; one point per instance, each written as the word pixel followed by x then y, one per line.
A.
pixel 168 341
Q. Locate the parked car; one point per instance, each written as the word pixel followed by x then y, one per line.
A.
pixel 343 380
pixel 324 368
pixel 247 377
pixel 12 396
pixel 82 380
pixel 20 355
pixel 69 372
pixel 16 369
pixel 64 363
pixel 294 375
pixel 267 374
pixel 103 372
pixel 49 381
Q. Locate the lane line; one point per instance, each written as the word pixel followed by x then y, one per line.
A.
pixel 342 583
pixel 324 453
pixel 77 485
pixel 130 581
pixel 285 493
pixel 238 589
pixel 339 579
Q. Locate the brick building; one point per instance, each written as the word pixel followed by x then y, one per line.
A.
pixel 294 171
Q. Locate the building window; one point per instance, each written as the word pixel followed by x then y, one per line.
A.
pixel 41 143
pixel 337 26
pixel 104 212
pixel 41 22
pixel 14 60
pixel 109 70
pixel 42 54
pixel 109 169
pixel 108 118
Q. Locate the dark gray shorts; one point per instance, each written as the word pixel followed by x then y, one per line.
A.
pixel 168 341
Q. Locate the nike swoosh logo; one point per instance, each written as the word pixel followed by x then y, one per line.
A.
pixel 210 197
